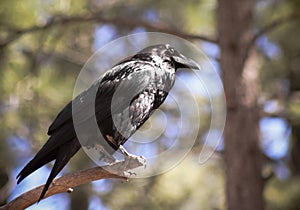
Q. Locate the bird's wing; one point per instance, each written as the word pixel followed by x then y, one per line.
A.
pixel 111 93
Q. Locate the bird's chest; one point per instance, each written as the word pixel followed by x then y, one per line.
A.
pixel 164 77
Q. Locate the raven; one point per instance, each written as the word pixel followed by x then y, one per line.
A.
pixel 117 116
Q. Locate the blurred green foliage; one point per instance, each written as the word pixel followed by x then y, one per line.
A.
pixel 281 195
pixel 188 186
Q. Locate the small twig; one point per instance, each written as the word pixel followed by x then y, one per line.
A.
pixel 68 181
pixel 268 28
pixel 97 17
pixel 271 26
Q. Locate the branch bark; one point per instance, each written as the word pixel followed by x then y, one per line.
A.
pixel 66 182
pixel 99 18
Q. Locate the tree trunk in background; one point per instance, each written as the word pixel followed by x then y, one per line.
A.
pixel 294 98
pixel 244 184
pixel 295 149
pixel 80 197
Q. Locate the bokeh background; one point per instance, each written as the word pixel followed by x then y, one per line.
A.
pixel 45 43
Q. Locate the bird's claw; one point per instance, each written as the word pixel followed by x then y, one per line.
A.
pixel 129 173
pixel 124 168
pixel 140 159
pixel 143 161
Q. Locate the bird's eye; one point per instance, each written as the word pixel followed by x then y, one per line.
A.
pixel 170 62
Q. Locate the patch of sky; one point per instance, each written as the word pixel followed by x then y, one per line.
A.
pixel 150 15
pixel 138 42
pixel 210 49
pixel 271 106
pixel 282 171
pixel 22 149
pixel 275 135
pixel 103 34
pixel 96 204
pixel 212 53
pixel 59 201
pixel 20 145
pixel 268 47
pixel 138 30
pixel 203 84
pixel 102 186
pixel 148 150
pixel 213 138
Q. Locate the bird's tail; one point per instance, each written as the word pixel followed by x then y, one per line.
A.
pixel 61 155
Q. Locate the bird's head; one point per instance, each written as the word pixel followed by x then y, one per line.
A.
pixel 169 54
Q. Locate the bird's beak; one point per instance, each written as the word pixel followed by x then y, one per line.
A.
pixel 183 62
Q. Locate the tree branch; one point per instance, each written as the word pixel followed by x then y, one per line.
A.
pixel 66 182
pixel 273 25
pixel 270 27
pixel 97 17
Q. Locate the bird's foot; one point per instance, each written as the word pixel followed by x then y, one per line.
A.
pixel 128 173
pixel 130 159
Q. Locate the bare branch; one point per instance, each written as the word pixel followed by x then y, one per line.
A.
pixel 270 27
pixel 97 17
pixel 66 182
pixel 273 25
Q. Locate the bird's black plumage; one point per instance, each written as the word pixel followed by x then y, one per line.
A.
pixel 123 99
